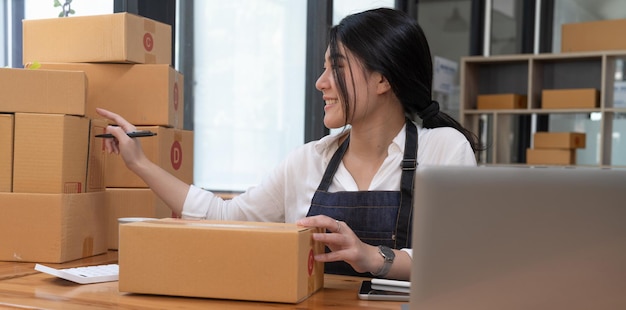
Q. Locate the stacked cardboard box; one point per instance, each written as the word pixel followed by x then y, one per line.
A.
pixel 555 148
pixel 52 168
pixel 126 60
pixel 51 171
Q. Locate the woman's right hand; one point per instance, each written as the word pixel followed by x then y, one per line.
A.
pixel 129 148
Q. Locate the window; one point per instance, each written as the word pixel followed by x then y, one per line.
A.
pixel 342 8
pixel 3 34
pixel 38 9
pixel 249 84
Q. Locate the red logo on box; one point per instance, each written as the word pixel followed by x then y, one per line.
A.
pixel 311 262
pixel 175 96
pixel 148 42
pixel 176 155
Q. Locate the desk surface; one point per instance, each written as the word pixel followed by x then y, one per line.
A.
pixel 22 287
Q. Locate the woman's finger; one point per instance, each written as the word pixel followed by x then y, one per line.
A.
pixel 120 121
pixel 323 221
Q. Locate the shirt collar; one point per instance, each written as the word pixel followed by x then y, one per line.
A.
pixel 327 145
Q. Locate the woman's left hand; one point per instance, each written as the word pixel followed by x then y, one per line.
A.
pixel 344 244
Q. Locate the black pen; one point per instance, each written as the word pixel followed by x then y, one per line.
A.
pixel 132 134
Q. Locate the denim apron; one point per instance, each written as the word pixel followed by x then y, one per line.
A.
pixel 376 217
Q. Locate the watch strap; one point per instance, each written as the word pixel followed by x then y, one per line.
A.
pixel 388 256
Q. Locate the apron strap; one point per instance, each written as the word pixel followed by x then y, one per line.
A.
pixel 333 165
pixel 409 165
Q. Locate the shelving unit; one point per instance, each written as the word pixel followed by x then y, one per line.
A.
pixel 507 133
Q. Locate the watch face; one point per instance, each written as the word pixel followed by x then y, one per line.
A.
pixel 387 253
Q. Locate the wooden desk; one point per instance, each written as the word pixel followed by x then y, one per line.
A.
pixel 22 287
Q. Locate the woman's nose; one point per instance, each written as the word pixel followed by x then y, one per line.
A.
pixel 322 81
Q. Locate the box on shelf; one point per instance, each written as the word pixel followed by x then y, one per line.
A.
pixel 142 94
pixel 600 35
pixel 559 140
pixel 551 156
pixel 50 153
pixel 51 228
pixel 131 202
pixel 42 91
pixel 171 149
pixel 501 101
pixel 112 38
pixel 581 98
pixel 6 152
pixel 260 261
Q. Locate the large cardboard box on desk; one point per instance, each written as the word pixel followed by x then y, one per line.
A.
pixel 42 91
pixel 216 259
pixel 50 153
pixel 6 152
pixel 131 202
pixel 142 94
pixel 171 149
pixel 600 35
pixel 112 38
pixel 51 228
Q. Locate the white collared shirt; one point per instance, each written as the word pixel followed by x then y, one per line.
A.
pixel 285 194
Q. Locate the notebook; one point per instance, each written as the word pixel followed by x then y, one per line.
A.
pixel 519 238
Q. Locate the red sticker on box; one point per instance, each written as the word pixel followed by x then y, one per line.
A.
pixel 148 42
pixel 311 262
pixel 175 96
pixel 176 155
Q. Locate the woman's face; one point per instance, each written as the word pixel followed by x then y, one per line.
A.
pixel 358 86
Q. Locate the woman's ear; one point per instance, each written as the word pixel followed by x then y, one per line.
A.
pixel 383 85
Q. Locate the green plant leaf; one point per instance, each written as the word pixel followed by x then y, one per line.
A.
pixel 57 3
pixel 61 14
pixel 33 66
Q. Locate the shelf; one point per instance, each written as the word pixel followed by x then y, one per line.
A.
pixel 534 111
pixel 507 133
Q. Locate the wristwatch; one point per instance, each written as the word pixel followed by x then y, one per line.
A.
pixel 388 255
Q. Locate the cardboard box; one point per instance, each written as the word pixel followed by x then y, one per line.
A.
pixel 216 259
pixel 131 202
pixel 171 149
pixel 501 101
pixel 551 156
pixel 6 152
pixel 583 98
pixel 143 94
pixel 113 38
pixel 51 228
pixel 42 91
pixel 593 36
pixel 50 153
pixel 559 140
pixel 96 164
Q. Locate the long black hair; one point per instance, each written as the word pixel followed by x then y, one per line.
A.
pixel 392 43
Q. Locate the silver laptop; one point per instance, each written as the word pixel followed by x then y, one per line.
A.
pixel 519 238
